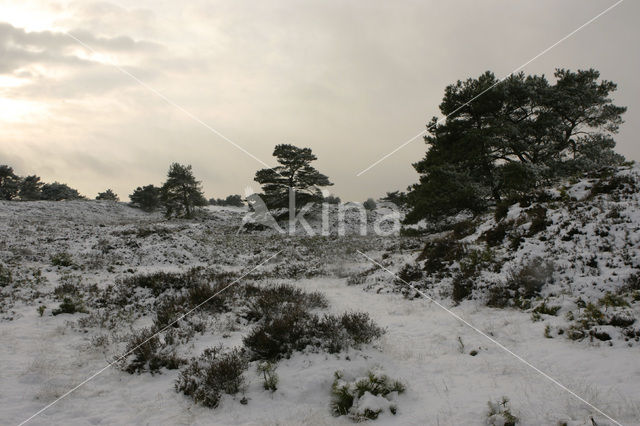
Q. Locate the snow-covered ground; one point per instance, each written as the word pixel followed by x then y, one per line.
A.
pixel 424 346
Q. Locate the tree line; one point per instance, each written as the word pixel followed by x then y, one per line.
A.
pixel 31 188
pixel 501 139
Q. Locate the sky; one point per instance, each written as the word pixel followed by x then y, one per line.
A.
pixel 107 94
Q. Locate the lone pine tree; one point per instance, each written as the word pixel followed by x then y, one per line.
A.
pixel 294 172
pixel 181 193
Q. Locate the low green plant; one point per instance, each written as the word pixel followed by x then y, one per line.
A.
pixel 349 397
pixel 41 309
pixel 69 306
pixel 611 300
pixel 270 378
pixel 544 309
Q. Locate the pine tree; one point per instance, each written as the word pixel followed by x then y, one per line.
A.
pixel 294 172
pixel 181 193
pixel 146 198
pixel 30 188
pixel 506 138
pixel 108 195
pixel 9 183
pixel 59 191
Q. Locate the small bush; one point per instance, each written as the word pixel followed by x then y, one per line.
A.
pixel 296 329
pixel 5 276
pixel 62 259
pixel 360 327
pixel 463 229
pixel 69 306
pixel 206 378
pixel 530 279
pixel 438 254
pixel 366 397
pixel 475 261
pixel 539 220
pixel 496 235
pixel 149 351
pixel 462 288
pixel 410 272
pixel 611 300
pixel 267 369
pixel 632 283
pixel 272 300
pixel 545 309
pixel 499 413
pixel 613 184
pixel 521 285
pixel 502 209
pixel 589 317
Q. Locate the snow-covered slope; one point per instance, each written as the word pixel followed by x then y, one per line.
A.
pixel 582 252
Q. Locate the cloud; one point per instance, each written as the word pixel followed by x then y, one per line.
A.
pixel 348 79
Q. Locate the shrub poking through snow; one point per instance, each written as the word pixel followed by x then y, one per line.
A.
pixel 296 330
pixel 522 285
pixel 410 272
pixel 5 276
pixel 69 306
pixel 268 371
pixel 364 398
pixel 62 259
pixel 206 378
pixel 439 254
pixel 499 413
pixel 272 300
pixel 150 352
pixel 496 235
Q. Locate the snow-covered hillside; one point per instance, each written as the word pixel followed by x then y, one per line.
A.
pixel 559 274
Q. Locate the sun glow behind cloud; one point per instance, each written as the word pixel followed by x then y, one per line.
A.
pixel 21 111
pixel 30 15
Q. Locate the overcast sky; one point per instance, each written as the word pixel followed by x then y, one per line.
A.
pixel 351 79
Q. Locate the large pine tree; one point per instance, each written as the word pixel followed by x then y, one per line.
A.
pixel 506 138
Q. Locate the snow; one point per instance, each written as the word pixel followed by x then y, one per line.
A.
pixel 424 346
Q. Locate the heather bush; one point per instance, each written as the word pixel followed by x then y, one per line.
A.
pixel 296 329
pixel 215 372
pixel 148 350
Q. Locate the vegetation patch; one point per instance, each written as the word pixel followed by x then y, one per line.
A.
pixel 499 413
pixel 364 398
pixel 440 253
pixel 522 285
pixel 212 374
pixel 296 329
